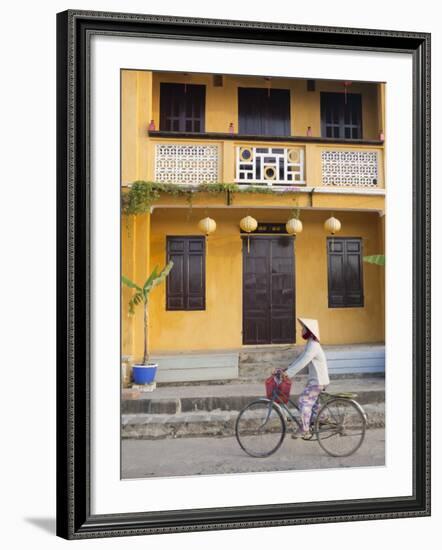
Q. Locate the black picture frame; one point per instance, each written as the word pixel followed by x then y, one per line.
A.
pixel 74 518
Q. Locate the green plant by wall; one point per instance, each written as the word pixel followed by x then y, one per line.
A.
pixel 377 259
pixel 140 196
pixel 142 295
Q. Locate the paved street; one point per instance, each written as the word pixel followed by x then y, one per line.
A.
pixel 217 455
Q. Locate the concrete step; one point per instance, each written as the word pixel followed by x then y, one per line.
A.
pixel 203 423
pixel 269 355
pixel 259 371
pixel 233 397
pixel 200 366
pixel 254 364
pixel 246 381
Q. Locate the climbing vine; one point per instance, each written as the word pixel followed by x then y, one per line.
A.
pixel 140 196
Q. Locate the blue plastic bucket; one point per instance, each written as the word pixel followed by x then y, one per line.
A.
pixel 144 374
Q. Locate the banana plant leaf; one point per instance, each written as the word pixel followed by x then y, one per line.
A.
pixel 151 277
pixel 142 294
pixel 158 278
pixel 378 259
pixel 130 283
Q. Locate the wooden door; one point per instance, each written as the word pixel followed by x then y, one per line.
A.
pixel 268 290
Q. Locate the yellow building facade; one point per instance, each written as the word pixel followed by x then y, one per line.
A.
pixel 283 148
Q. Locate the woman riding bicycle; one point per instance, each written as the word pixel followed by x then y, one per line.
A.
pixel 340 421
pixel 318 379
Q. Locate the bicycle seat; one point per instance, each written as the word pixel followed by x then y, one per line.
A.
pixel 342 394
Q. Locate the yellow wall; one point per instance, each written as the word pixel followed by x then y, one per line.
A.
pixel 286 200
pixel 135 264
pixel 222 102
pixel 128 261
pixel 339 325
pixel 143 238
pixel 136 105
pixel 227 155
pixel 141 103
pixel 220 325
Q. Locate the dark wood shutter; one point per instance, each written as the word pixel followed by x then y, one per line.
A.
pixel 186 283
pixel 182 107
pixel 345 287
pixel 341 115
pixel 264 113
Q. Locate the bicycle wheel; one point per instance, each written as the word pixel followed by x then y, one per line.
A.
pixel 260 428
pixel 340 427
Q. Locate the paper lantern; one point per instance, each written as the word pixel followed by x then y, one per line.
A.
pixel 332 225
pixel 293 226
pixel 207 226
pixel 248 224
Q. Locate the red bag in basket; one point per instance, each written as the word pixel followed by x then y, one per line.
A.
pixel 280 382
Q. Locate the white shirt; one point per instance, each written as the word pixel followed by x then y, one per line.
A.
pixel 313 354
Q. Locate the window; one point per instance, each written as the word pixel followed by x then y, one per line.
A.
pixel 345 272
pixel 186 283
pixel 182 107
pixel 264 111
pixel 341 115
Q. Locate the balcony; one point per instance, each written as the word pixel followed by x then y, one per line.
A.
pixel 269 165
pixel 274 162
pixel 188 164
pixel 350 168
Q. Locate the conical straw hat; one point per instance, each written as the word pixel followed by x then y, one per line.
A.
pixel 310 324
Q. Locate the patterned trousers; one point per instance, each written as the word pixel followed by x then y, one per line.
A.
pixel 309 404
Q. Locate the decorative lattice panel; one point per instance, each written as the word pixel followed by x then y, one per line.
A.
pixel 350 168
pixel 270 165
pixel 186 164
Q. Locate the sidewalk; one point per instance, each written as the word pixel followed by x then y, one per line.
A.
pixel 197 410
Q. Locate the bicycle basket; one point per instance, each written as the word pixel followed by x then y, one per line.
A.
pixel 278 387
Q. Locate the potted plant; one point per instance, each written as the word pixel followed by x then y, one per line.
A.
pixel 144 373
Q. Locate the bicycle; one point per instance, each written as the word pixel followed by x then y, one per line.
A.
pixel 339 426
